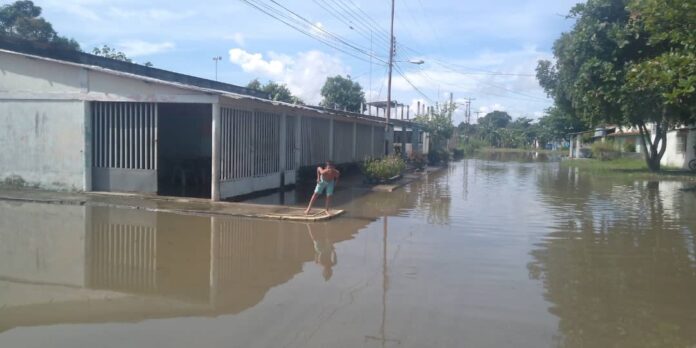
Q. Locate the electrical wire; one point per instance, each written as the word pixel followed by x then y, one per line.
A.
pixel 297 26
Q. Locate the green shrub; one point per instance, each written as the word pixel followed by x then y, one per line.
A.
pixel 383 169
pixel 457 153
pixel 604 150
pixel 437 157
pixel 629 146
pixel 471 146
pixel 418 160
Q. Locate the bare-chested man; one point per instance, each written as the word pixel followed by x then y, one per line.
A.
pixel 327 179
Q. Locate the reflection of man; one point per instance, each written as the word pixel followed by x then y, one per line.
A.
pixel 324 251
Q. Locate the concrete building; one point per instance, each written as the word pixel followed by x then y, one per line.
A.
pixel 75 121
pixel 681 147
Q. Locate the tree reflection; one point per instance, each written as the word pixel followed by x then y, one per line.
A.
pixel 618 267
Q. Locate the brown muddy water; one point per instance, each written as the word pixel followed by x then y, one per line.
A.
pixel 506 251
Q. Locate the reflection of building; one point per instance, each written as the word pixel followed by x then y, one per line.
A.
pixel 87 264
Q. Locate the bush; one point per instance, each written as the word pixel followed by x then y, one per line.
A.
pixel 471 146
pixel 437 157
pixel 457 153
pixel 629 146
pixel 418 160
pixel 383 169
pixel 604 150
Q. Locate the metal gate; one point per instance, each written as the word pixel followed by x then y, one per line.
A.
pixel 124 147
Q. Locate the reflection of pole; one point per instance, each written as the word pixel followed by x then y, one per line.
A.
pixel 385 287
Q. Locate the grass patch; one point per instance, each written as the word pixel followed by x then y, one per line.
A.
pixel 627 167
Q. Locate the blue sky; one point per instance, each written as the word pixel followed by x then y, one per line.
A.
pixel 461 43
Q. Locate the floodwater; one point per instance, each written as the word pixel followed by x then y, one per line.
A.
pixel 504 251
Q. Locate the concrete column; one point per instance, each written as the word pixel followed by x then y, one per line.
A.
pixel 89 146
pixel 283 141
pixel 331 139
pixel 215 163
pixel 298 141
pixel 403 139
pixel 355 141
pixel 372 141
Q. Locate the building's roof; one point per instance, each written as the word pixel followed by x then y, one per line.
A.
pixel 155 75
pixel 383 104
pixel 627 133
pixel 82 58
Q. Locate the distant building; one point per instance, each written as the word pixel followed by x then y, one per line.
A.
pixel 681 147
pixel 679 151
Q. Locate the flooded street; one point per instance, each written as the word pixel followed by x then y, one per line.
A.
pixel 505 251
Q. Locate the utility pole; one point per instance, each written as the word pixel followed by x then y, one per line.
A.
pixel 389 83
pixel 216 59
pixel 451 106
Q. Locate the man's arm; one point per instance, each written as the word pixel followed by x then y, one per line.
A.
pixel 318 173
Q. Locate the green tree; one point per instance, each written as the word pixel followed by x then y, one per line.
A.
pixel 627 62
pixel 276 91
pixel 438 125
pixel 112 53
pixel 556 125
pixel 22 19
pixel 496 119
pixel 342 93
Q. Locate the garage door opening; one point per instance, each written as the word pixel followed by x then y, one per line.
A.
pixel 184 150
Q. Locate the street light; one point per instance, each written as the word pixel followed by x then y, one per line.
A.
pixel 216 59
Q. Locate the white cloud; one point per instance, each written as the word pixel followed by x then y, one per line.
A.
pixel 304 73
pixel 135 48
pixel 254 63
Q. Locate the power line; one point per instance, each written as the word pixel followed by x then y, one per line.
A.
pixel 398 69
pixel 337 38
pixel 297 26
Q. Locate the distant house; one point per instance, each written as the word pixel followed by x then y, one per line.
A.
pixel 681 147
pixel 679 151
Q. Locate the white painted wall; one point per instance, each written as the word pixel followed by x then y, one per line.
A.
pixel 679 160
pixel 43 143
pixel 23 77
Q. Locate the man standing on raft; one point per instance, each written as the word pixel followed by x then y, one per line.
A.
pixel 327 179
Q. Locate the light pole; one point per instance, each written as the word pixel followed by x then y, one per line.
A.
pixel 216 59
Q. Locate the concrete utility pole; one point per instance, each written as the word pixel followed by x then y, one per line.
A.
pixel 389 83
pixel 451 106
pixel 216 59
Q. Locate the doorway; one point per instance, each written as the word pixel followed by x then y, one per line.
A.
pixel 184 150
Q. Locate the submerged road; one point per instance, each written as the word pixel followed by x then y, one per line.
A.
pixel 505 251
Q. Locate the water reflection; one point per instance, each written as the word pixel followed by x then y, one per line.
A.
pixel 324 251
pixel 92 264
pixel 618 266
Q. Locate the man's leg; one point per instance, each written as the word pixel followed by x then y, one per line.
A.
pixel 311 201
pixel 329 195
pixel 328 203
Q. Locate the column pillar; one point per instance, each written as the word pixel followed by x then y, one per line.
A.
pixel 215 163
pixel 283 141
pixel 331 139
pixel 355 141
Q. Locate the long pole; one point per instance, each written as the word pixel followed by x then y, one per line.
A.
pixel 370 96
pixel 389 81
